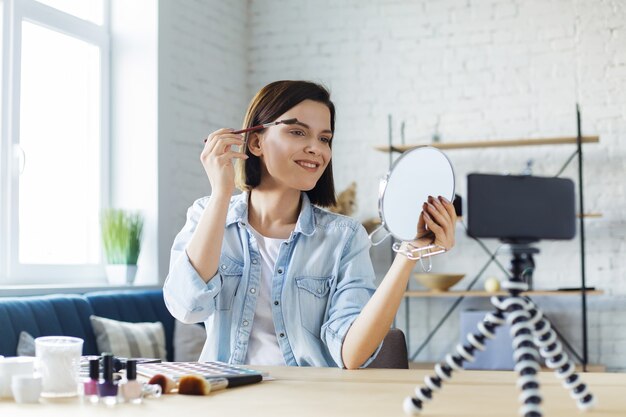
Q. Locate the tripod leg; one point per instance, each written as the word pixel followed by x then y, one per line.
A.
pixel 443 371
pixel 556 358
pixel 524 352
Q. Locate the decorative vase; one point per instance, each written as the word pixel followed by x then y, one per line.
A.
pixel 121 274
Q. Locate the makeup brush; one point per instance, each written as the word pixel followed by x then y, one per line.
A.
pixel 167 384
pixel 264 126
pixel 197 385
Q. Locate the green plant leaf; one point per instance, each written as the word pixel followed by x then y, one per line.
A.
pixel 121 235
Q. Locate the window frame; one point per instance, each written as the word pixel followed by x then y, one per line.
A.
pixel 14 12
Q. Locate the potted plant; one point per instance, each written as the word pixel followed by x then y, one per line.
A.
pixel 121 236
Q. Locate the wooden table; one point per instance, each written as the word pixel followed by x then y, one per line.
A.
pixel 315 392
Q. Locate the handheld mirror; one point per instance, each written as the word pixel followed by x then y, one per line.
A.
pixel 417 174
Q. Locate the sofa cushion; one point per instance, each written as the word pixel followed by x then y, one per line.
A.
pixel 46 315
pixel 26 344
pixel 135 307
pixel 129 340
pixel 188 341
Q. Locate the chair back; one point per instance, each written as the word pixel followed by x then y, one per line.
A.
pixel 393 354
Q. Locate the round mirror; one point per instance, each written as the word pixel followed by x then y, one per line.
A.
pixel 417 174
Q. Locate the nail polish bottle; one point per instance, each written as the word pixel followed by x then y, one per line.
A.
pixel 107 389
pixel 130 388
pixel 90 386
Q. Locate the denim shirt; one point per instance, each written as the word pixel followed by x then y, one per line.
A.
pixel 322 279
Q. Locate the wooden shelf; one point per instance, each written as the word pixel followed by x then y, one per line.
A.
pixel 444 294
pixel 590 215
pixel 497 143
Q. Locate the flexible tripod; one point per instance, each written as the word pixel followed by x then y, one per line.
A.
pixel 529 330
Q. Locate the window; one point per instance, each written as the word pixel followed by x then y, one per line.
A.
pixel 89 10
pixel 54 154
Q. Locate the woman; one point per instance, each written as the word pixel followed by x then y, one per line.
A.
pixel 276 279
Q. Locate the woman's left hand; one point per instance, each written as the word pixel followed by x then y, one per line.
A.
pixel 436 224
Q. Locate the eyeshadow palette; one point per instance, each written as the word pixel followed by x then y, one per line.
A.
pixel 236 375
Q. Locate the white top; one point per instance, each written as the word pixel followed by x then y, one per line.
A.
pixel 263 346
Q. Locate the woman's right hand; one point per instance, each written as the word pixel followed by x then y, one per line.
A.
pixel 217 159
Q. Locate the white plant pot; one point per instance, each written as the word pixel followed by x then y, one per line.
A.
pixel 121 274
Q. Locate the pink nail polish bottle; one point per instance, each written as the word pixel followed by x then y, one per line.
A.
pixel 90 386
pixel 131 388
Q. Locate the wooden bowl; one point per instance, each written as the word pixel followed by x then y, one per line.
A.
pixel 438 282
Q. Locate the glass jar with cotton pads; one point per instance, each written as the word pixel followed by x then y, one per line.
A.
pixel 59 364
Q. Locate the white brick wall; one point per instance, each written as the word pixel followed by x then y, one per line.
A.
pixel 498 69
pixel 202 87
pixel 481 69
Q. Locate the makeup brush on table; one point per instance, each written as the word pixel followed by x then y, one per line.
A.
pixel 198 385
pixel 167 384
pixel 264 126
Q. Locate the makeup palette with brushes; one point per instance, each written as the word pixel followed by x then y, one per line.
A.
pixel 235 375
pixel 264 126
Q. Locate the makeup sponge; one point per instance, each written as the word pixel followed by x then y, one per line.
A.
pixel 167 384
pixel 193 385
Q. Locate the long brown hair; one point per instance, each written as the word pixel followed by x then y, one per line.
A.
pixel 267 105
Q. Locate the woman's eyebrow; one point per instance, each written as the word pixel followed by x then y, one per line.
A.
pixel 298 122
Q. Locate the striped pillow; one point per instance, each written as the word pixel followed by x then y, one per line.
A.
pixel 129 340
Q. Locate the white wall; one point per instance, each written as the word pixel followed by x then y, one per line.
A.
pixel 202 87
pixel 479 69
pixel 497 69
pixel 133 107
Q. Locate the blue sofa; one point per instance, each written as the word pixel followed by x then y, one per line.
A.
pixel 68 315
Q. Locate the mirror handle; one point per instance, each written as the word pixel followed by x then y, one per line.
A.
pixel 371 235
pixel 430 264
pixel 415 253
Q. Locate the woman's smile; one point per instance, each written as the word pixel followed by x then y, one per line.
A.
pixel 308 165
